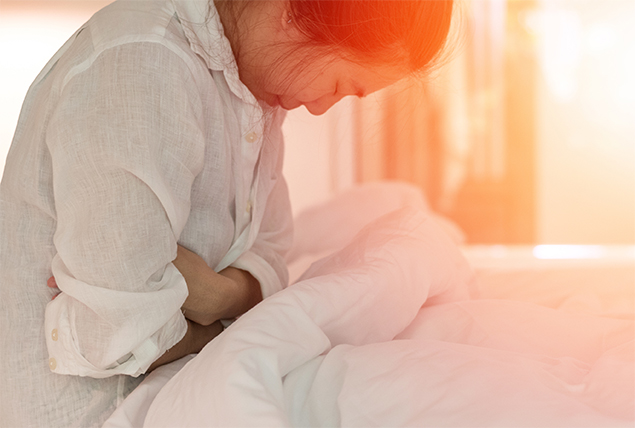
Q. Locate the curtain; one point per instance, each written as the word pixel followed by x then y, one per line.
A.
pixel 464 133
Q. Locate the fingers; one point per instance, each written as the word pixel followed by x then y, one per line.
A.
pixel 52 284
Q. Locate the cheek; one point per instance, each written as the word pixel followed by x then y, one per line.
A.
pixel 304 86
pixel 281 83
pixel 307 91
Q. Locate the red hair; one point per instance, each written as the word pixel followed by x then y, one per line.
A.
pixel 408 33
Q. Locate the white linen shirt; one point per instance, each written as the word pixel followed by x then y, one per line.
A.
pixel 136 136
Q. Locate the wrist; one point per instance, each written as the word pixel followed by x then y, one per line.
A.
pixel 196 337
pixel 242 292
pixel 200 335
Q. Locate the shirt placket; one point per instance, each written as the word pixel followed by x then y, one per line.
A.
pixel 251 146
pixel 251 129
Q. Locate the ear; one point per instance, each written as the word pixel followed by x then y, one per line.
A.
pixel 286 20
pixel 287 28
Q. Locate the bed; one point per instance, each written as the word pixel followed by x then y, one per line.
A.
pixel 392 321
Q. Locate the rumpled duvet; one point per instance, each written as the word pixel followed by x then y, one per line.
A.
pixel 390 331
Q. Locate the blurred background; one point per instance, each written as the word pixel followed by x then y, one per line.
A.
pixel 525 135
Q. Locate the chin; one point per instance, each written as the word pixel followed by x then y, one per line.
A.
pixel 290 105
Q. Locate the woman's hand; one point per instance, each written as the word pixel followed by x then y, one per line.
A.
pixel 214 296
pixel 52 284
pixel 196 337
pixel 211 296
pixel 204 303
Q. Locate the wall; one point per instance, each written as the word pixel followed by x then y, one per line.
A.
pixel 30 33
pixel 586 121
pixel 319 154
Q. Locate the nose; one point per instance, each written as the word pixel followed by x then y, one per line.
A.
pixel 323 104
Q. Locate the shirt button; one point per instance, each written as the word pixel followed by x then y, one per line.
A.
pixel 52 363
pixel 251 137
pixel 54 334
pixel 248 208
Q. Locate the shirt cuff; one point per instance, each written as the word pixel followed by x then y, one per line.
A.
pixel 262 271
pixel 65 356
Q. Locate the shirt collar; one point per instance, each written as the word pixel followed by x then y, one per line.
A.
pixel 204 31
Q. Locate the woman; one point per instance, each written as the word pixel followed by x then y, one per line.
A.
pixel 145 176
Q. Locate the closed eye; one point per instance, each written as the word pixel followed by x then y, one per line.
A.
pixel 357 91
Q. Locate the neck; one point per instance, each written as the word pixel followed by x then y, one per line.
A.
pixel 234 16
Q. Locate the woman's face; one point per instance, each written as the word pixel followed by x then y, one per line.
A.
pixel 318 82
pixel 278 70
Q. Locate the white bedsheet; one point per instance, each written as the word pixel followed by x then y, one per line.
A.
pixel 351 345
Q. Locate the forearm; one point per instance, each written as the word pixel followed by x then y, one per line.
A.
pixel 196 337
pixel 214 296
pixel 242 292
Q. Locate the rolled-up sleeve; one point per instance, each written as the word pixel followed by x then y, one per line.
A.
pixel 126 145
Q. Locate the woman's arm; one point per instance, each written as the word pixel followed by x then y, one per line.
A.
pixel 195 339
pixel 126 145
pixel 214 296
